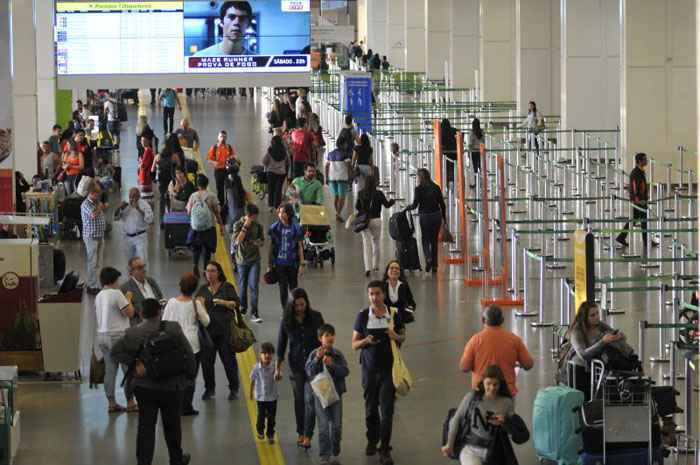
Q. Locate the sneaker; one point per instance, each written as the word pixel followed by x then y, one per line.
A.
pixel 371 449
pixel 385 457
pixel 325 461
pixel 261 436
pixel 654 242
pixel 233 395
pixel 255 318
pixel 208 394
pixel 244 311
pixel 621 243
pixel 270 440
pixel 335 461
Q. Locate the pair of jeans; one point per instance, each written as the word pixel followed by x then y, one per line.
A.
pixel 287 280
pixel 222 346
pixel 371 241
pixel 330 428
pixel 136 246
pixel 168 117
pixel 532 141
pixel 94 249
pixel 105 342
pixel 379 394
pixel 275 183
pixel 169 404
pixel 304 409
pixel 638 216
pixel 466 457
pixel 188 397
pixel 248 279
pixel 233 213
pixel 220 180
pixel 429 230
pixel 204 246
pixel 267 411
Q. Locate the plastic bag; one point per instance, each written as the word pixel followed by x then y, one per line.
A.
pixel 324 388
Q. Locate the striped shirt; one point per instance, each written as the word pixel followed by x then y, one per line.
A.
pixel 93 228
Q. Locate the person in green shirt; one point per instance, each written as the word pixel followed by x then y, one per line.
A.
pixel 309 189
pixel 248 237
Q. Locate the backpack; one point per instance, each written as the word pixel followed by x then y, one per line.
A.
pixel 463 428
pixel 344 141
pixel 201 217
pixel 400 227
pixel 162 356
pixel 300 146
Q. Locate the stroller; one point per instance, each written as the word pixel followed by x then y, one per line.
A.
pixel 318 244
pixel 258 181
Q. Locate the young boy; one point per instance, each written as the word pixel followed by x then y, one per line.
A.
pixel 263 389
pixel 330 419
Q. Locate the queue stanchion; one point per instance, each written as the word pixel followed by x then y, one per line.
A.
pixel 661 349
pixel 541 323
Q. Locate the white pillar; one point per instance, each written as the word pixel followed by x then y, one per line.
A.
pixel 376 26
pixel 464 42
pixel 24 81
pixel 496 57
pixel 414 33
pixel 659 77
pixel 437 37
pixel 590 62
pixel 395 40
pixel 537 55
pixel 45 69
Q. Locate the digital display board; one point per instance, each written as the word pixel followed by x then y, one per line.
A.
pixel 131 37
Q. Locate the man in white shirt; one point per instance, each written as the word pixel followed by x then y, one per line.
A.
pixel 136 216
pixel 140 287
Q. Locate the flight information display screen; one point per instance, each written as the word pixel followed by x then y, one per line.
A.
pixel 182 36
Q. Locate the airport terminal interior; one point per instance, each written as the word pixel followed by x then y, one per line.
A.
pixel 529 165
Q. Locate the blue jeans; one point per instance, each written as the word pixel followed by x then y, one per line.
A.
pixel 248 278
pixel 330 428
pixel 234 214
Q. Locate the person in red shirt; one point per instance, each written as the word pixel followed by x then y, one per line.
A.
pixel 300 143
pixel 494 345
pixel 146 165
pixel 218 156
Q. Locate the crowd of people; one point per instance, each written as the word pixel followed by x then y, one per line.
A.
pixel 135 317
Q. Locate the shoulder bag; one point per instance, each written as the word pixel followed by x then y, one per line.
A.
pixel 242 337
pixel 403 381
pixel 361 221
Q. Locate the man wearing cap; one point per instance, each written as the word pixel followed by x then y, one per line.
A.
pixel 495 345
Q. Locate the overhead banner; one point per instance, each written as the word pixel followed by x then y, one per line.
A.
pixel 584 267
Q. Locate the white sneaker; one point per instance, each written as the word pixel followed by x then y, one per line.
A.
pixel 256 318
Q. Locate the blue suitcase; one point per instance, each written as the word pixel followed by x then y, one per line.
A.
pixel 624 457
pixel 556 424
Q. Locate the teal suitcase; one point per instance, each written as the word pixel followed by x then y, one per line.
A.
pixel 556 424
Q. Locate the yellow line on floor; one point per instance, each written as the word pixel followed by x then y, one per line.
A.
pixel 269 454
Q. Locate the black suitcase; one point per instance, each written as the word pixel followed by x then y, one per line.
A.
pixel 407 254
pixel 176 227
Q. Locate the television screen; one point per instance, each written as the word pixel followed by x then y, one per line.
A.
pixel 181 36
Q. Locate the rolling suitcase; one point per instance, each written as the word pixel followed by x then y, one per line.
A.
pixel 556 424
pixel 635 456
pixel 407 254
pixel 177 228
pixel 401 226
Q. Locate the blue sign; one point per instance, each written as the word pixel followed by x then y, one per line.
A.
pixel 356 99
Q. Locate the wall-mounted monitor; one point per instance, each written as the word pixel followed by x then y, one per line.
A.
pixel 142 41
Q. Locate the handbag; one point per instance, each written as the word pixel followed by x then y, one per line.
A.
pixel 445 235
pixel 350 220
pixel 242 337
pixel 205 340
pixel 403 381
pixel 361 221
pixel 324 388
pixel 97 371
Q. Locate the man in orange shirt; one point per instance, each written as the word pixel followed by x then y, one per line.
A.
pixel 494 345
pixel 218 156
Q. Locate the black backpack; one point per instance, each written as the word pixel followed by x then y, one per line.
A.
pixel 162 356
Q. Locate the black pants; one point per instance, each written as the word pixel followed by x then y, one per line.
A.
pixel 204 246
pixel 222 346
pixel 476 162
pixel 450 167
pixel 379 394
pixel 275 182
pixel 304 412
pixel 187 405
pixel 429 230
pixel 169 403
pixel 163 183
pixel 298 168
pixel 287 279
pixel 168 117
pixel 220 179
pixel 267 411
pixel 638 216
pixel 153 96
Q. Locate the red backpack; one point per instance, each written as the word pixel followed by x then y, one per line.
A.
pixel 301 147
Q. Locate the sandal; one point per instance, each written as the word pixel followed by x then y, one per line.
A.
pixel 116 409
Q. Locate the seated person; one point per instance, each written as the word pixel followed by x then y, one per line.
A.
pixel 308 188
pixel 180 190
pixel 590 339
